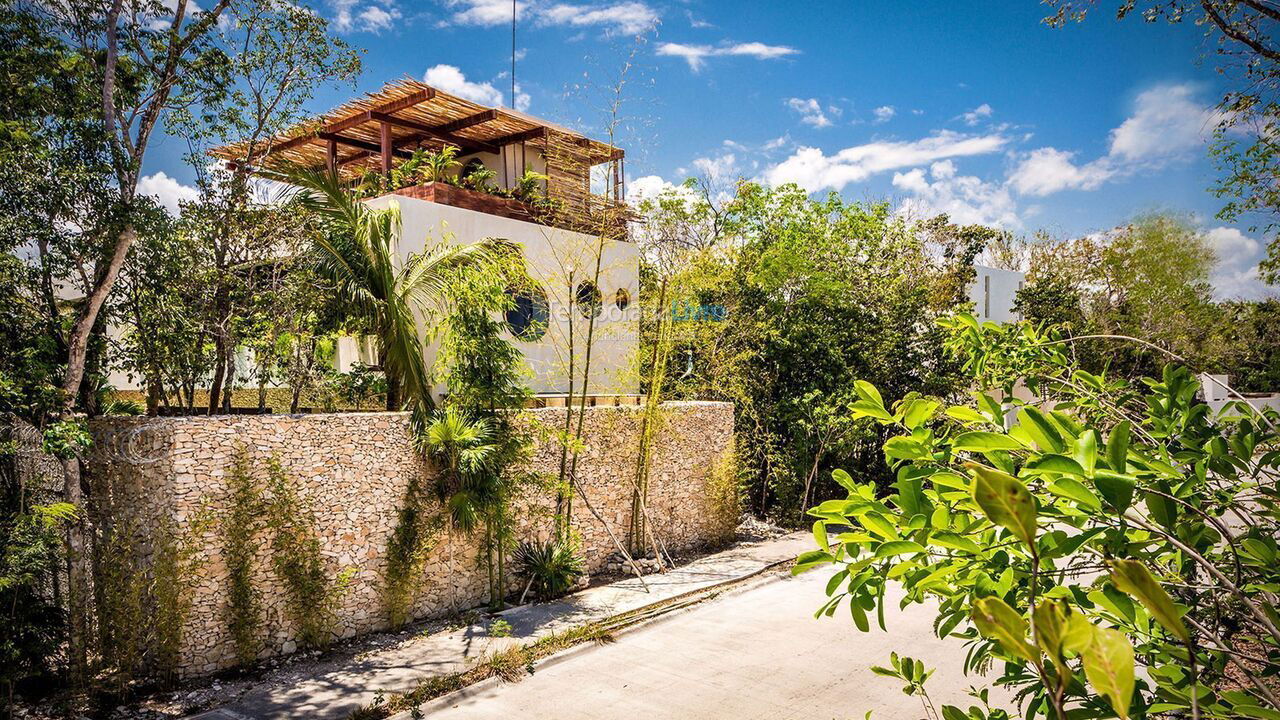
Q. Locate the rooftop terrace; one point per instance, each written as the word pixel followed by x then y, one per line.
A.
pixel 376 132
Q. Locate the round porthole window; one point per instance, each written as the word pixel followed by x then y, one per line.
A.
pixel 528 315
pixel 588 299
pixel 622 299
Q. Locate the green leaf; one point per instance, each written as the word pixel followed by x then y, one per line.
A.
pixel 879 525
pixel 1041 430
pixel 1163 510
pixel 917 411
pixel 898 547
pixel 979 441
pixel 992 406
pixel 1005 501
pixel 954 541
pixel 809 560
pixel 1051 623
pixel 868 392
pixel 1077 634
pixel 966 415
pixel 1118 446
pixel 1055 464
pixel 859 615
pixel 904 448
pixel 1133 577
pixel 1086 450
pixel 844 480
pixel 1073 489
pixel 862 408
pixel 820 534
pixel 996 620
pixel 1108 665
pixel 1115 488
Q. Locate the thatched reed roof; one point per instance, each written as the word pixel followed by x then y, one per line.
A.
pixel 414 115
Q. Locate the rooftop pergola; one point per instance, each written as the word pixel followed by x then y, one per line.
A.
pixel 370 132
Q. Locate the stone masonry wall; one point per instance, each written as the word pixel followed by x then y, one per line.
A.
pixel 353 469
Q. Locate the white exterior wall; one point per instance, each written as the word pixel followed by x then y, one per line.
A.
pixel 993 293
pixel 550 253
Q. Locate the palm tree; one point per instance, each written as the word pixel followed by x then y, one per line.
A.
pixel 470 485
pixel 356 252
pixel 463 449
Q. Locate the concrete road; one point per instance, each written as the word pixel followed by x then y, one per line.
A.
pixel 755 653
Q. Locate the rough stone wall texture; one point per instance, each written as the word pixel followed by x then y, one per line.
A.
pixel 353 470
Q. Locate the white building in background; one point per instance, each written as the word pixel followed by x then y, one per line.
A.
pixel 994 293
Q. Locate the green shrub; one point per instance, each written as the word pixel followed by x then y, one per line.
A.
pixel 552 566
pixel 1111 546
pixel 34 626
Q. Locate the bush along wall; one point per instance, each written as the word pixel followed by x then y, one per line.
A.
pixel 299 530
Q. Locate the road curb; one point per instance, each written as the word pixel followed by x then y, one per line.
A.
pixel 661 610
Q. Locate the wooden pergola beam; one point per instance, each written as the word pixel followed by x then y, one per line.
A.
pixel 333 128
pixel 466 122
pixel 534 134
pixel 358 143
pixel 428 131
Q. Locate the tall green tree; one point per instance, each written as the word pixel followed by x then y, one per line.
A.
pixel 1147 279
pixel 792 299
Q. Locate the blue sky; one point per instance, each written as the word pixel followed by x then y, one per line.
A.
pixel 975 109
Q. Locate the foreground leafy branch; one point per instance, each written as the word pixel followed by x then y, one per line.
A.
pixel 1111 545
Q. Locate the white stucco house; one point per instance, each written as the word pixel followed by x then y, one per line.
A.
pixel 583 217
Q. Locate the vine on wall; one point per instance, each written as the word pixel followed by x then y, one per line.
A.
pixel 143 584
pixel 407 550
pixel 724 490
pixel 311 596
pixel 241 526
pixel 277 510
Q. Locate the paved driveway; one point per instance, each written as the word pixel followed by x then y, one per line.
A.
pixel 756 653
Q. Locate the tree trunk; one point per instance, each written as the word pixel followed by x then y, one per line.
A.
pixel 79 578
pixel 219 367
pixel 154 391
pixel 78 575
pixel 393 382
pixel 228 386
pixel 393 393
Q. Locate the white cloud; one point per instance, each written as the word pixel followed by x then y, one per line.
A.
pixel 1236 274
pixel 350 16
pixel 1048 170
pixel 646 187
pixel 166 190
pixel 628 18
pixel 967 200
pixel 810 112
pixel 974 116
pixel 696 55
pixel 486 12
pixel 884 113
pixel 451 80
pixel 1166 123
pixel 813 170
pixel 719 168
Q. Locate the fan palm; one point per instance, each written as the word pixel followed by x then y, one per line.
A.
pixel 357 254
pixel 464 450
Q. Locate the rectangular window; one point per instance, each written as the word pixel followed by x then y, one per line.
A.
pixel 986 297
